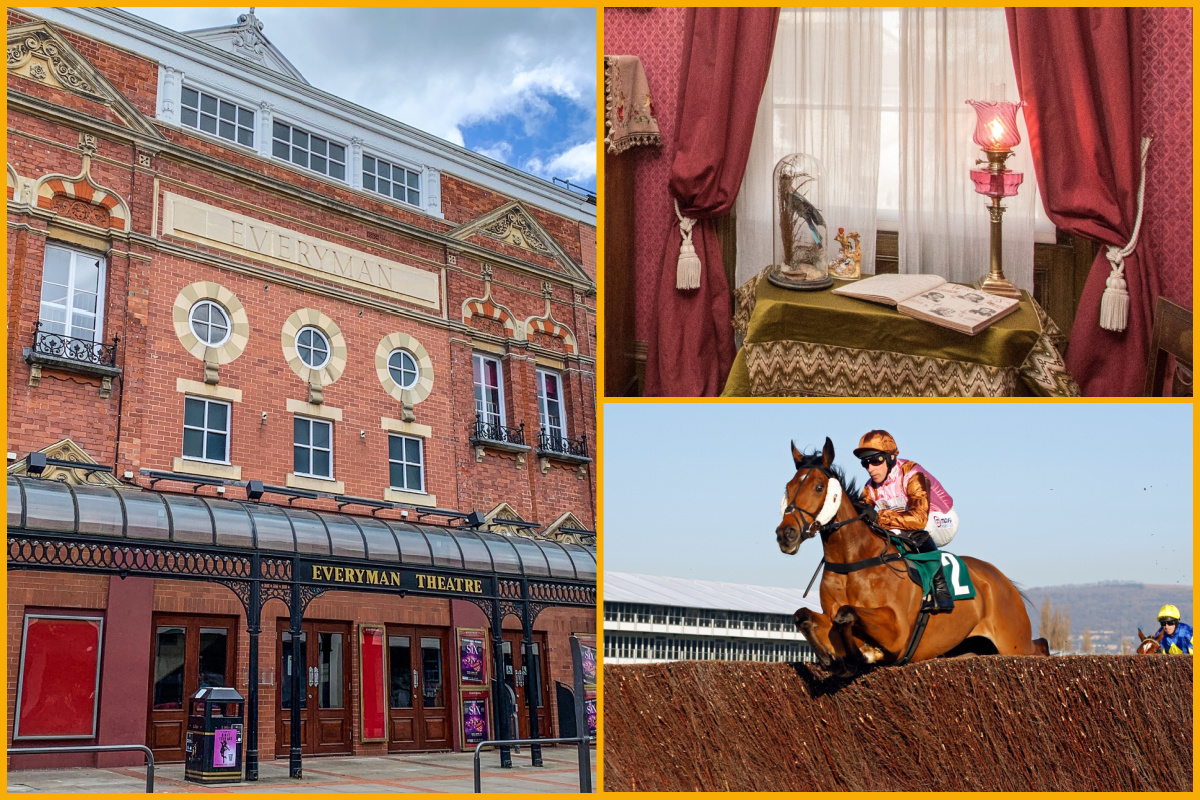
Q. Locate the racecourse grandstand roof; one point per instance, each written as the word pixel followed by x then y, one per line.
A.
pixel 624 587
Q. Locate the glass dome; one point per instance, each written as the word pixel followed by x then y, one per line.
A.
pixel 801 239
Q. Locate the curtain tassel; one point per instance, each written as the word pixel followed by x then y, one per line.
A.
pixel 1114 303
pixel 687 269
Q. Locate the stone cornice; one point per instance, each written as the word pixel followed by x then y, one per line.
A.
pixel 64 116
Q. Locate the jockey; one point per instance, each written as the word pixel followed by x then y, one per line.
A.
pixel 902 493
pixel 1177 636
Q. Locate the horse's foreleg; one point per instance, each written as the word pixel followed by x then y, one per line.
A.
pixel 859 651
pixel 816 629
pixel 878 628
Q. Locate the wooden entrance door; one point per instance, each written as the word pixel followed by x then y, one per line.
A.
pixel 526 677
pixel 190 653
pixel 325 702
pixel 418 691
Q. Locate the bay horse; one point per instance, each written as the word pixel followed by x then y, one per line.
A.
pixel 1151 645
pixel 868 613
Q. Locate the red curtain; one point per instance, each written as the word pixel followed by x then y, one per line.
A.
pixel 726 57
pixel 1079 71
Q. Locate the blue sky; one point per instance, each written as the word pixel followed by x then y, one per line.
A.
pixel 1049 493
pixel 516 84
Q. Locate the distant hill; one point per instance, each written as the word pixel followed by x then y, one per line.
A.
pixel 1112 610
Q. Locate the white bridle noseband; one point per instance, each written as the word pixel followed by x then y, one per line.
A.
pixel 829 509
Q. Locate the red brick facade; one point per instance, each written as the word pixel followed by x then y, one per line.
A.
pixel 137 423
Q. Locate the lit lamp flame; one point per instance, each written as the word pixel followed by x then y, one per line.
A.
pixel 997 131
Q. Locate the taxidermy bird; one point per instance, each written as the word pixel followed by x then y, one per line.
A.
pixel 809 213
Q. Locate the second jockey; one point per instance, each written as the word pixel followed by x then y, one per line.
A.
pixel 910 502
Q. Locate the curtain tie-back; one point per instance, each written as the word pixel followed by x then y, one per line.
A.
pixel 1114 303
pixel 687 269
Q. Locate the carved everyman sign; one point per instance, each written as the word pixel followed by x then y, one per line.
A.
pixel 263 241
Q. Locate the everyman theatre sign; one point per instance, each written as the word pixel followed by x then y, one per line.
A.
pixel 384 579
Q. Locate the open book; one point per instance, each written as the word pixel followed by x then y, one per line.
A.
pixel 933 299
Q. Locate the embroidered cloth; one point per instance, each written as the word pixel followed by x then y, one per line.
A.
pixel 628 109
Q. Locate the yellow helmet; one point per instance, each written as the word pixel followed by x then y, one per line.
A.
pixel 1168 612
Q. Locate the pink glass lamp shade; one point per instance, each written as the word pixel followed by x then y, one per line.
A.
pixel 996 126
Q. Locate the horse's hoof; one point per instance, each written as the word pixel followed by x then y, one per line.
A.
pixel 801 616
pixel 871 654
pixel 845 616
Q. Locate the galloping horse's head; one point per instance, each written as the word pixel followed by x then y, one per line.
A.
pixel 1150 644
pixel 811 499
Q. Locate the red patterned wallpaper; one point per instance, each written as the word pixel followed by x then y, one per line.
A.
pixel 1167 113
pixel 654 35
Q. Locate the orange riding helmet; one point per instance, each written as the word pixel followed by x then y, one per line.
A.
pixel 876 442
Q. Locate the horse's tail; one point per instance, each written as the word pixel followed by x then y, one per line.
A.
pixel 1024 596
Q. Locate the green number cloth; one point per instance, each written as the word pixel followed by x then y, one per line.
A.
pixel 957 576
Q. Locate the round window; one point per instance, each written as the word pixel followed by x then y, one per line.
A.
pixel 402 366
pixel 210 323
pixel 313 347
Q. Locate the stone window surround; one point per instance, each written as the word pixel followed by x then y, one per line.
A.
pixel 239 333
pixel 425 377
pixel 334 367
pixel 207 468
pixel 423 432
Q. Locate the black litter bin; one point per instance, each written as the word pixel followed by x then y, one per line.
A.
pixel 214 737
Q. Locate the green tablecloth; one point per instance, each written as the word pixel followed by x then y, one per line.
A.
pixel 823 344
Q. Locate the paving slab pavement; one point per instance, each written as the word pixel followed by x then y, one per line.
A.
pixel 422 772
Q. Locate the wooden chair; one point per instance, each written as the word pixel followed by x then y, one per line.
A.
pixel 1172 336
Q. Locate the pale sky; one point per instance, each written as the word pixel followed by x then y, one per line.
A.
pixel 1050 493
pixel 515 84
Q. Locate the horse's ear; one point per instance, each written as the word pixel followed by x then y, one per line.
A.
pixel 1141 635
pixel 827 453
pixel 796 456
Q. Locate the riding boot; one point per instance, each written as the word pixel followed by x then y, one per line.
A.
pixel 943 600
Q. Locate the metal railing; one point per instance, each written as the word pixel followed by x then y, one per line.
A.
pixel 551 442
pixel 493 431
pixel 94 748
pixel 84 351
pixel 585 775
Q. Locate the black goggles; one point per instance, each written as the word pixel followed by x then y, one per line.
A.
pixel 873 461
pixel 1168 621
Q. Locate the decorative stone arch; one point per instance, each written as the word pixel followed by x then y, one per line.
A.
pixel 67 450
pixel 81 198
pixel 487 308
pixel 549 326
pixel 239 333
pixel 424 385
pixel 14 182
pixel 315 378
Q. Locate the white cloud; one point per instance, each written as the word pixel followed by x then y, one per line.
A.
pixel 577 164
pixel 501 151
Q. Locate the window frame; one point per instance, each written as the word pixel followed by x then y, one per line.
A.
pixel 312 421
pixel 205 430
pixel 324 338
pixel 543 401
pixel 237 122
pixel 392 167
pixel 478 360
pixel 404 463
pixel 224 311
pixel 416 367
pixel 69 305
pixel 307 165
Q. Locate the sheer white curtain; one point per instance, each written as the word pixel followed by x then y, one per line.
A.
pixel 949 56
pixel 822 98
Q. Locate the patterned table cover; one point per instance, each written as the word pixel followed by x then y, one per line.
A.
pixel 818 344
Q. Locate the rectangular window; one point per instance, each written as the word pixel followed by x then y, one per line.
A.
pixel 550 405
pixel 210 114
pixel 308 150
pixel 59 677
pixel 72 294
pixel 206 430
pixel 313 449
pixel 391 180
pixel 405 463
pixel 489 391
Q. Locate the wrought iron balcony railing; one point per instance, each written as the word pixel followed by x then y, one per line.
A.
pixel 69 348
pixel 553 442
pixel 493 431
